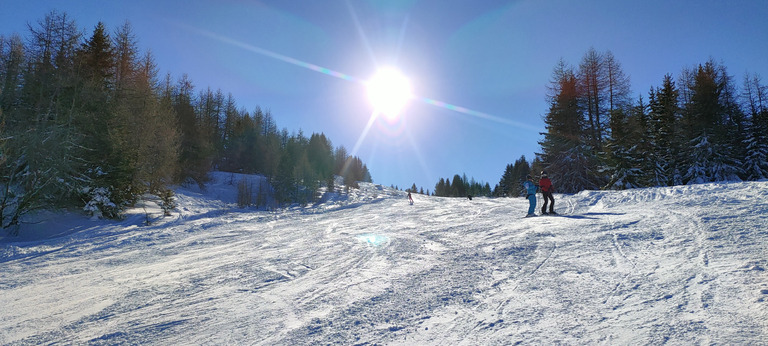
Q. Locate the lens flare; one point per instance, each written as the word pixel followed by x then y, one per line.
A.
pixel 389 91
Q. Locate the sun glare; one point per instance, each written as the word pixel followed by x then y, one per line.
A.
pixel 389 91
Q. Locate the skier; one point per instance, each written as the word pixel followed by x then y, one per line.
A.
pixel 530 189
pixel 546 190
pixel 410 199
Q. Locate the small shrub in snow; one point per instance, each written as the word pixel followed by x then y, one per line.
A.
pixel 167 201
pixel 99 204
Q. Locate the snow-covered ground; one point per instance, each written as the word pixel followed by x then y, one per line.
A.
pixel 684 265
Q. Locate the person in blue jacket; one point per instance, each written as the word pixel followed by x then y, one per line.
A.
pixel 530 189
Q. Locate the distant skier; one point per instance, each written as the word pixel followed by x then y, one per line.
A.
pixel 410 199
pixel 530 189
pixel 546 190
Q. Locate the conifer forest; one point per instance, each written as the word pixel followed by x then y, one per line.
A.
pixel 88 122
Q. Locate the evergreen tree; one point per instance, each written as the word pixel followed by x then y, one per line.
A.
pixel 564 155
pixel 458 187
pixel 513 177
pixel 41 161
pixel 592 84
pixel 195 156
pixel 706 118
pixel 126 55
pixel 12 60
pixel 208 109
pixel 339 160
pixel 440 188
pixel 156 134
pixel 84 120
pixel 735 128
pixel 520 171
pixel 503 188
pixel 320 155
pixel 755 101
pixel 618 87
pixel 663 122
pixel 621 164
pixel 306 180
pixel 96 119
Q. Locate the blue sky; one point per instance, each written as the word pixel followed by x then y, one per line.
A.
pixel 493 58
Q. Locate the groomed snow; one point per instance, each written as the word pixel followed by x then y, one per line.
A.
pixel 685 265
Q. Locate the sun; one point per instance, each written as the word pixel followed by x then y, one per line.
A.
pixel 389 91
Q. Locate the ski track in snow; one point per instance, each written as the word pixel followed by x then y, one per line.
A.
pixel 685 265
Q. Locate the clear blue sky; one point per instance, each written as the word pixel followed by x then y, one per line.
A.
pixel 493 58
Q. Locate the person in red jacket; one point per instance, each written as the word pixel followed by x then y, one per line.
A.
pixel 546 190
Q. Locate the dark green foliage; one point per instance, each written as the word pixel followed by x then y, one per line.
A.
pixel 84 121
pixel 461 187
pixel 566 155
pixel 167 201
pixel 513 178
pixel 712 122
pixel 622 162
pixel 691 131
pixel 754 100
pixel 196 153
pixel 663 135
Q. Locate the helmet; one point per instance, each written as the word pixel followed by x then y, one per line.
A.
pixel 543 174
pixel 528 177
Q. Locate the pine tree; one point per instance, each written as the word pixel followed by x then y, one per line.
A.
pixel 196 151
pixel 592 83
pixel 126 55
pixel 711 154
pixel 156 136
pixel 521 169
pixel 564 155
pixel 505 183
pixel 320 155
pixel 11 74
pixel 622 166
pixel 618 87
pixel 84 118
pixel 663 122
pixel 440 188
pixel 458 187
pixel 755 101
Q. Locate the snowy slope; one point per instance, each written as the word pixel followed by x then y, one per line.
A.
pixel 680 264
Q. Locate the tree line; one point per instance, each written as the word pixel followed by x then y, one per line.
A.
pixel 460 186
pixel 696 128
pixel 86 121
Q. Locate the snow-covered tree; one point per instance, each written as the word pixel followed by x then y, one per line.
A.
pixel 665 144
pixel 621 163
pixel 710 125
pixel 564 154
pixel 754 99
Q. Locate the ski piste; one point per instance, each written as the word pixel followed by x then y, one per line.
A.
pixel 683 265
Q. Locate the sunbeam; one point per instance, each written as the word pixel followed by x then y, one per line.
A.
pixel 363 134
pixel 360 32
pixel 476 114
pixel 340 75
pixel 278 56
